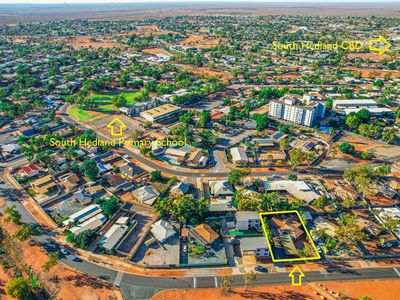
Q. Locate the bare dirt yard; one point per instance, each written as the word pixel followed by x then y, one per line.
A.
pixel 373 73
pixel 368 55
pixel 94 42
pixel 200 41
pixel 377 290
pixel 223 76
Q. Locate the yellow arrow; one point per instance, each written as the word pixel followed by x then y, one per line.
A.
pixel 112 126
pixel 296 273
pixel 381 39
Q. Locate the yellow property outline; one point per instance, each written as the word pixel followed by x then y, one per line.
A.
pixel 305 229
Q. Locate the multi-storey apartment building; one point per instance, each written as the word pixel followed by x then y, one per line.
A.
pixel 289 108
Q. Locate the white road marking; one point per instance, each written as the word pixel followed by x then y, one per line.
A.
pixel 194 282
pixel 118 278
pixel 216 281
pixel 397 271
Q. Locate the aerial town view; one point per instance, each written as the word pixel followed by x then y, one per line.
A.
pixel 199 150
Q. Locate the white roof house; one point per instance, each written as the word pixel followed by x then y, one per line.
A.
pixel 84 214
pixel 113 236
pixel 299 189
pixel 256 245
pixel 220 188
pixel 326 226
pixel 239 156
pixel 162 230
pixel 146 194
pixel 91 224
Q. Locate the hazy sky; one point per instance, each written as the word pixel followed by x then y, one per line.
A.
pixel 127 1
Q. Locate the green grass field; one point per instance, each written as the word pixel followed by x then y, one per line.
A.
pixel 105 103
pixel 105 106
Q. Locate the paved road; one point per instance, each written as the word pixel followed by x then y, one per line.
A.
pixel 143 287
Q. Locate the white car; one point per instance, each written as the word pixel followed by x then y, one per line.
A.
pixel 64 251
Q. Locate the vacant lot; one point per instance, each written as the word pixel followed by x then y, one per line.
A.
pixel 372 73
pixel 94 42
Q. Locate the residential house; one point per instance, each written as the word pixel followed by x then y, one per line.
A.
pixel 93 223
pixel 239 156
pixel 220 188
pixel 113 236
pixel 162 230
pixel 254 246
pixel 69 181
pixel 43 185
pixel 30 170
pixel 82 197
pixel 84 214
pixel 197 158
pixel 246 220
pixel 146 194
pixel 115 182
pixel 204 234
pixel 130 170
pixel 299 189
pixel 179 189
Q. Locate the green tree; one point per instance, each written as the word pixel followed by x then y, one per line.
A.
pixel 321 202
pixel 249 277
pixel 235 176
pixel 110 207
pixel 89 168
pixel 352 121
pixel 83 239
pixel 155 176
pixel 348 230
pixel 296 157
pixel 347 148
pixel 18 288
pixel 119 100
pixel 292 177
pixel 364 115
pixel 226 282
pixel 53 260
pixel 23 232
pixel 261 120
pixel 389 136
pixel 12 215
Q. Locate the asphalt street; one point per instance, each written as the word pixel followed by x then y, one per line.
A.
pixel 140 287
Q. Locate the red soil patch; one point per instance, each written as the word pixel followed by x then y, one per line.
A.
pixel 377 290
pixel 94 42
pixel 372 56
pixel 200 41
pixel 372 73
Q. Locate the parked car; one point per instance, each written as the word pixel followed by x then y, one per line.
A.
pixel 260 269
pixel 302 171
pixel 76 259
pixel 64 251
